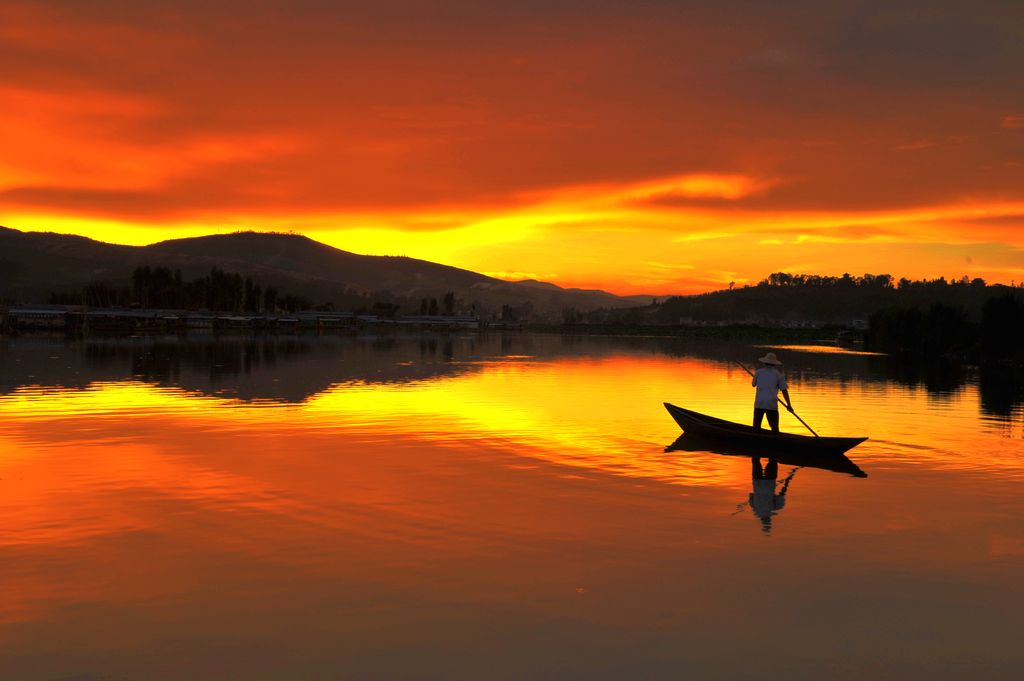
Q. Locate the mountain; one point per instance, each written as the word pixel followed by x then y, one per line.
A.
pixel 35 264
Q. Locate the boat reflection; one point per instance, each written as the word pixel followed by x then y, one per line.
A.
pixel 767 499
pixel 837 463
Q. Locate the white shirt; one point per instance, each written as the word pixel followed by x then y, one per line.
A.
pixel 764 502
pixel 768 381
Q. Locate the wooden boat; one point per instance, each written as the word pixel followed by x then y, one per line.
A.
pixel 753 441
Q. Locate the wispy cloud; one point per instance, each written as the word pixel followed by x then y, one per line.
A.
pixel 89 140
pixel 520 276
pixel 1013 122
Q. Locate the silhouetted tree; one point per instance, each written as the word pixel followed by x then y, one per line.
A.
pixel 385 310
pixel 270 299
pixel 1002 327
pixel 294 303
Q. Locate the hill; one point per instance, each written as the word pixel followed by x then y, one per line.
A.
pixel 796 300
pixel 34 265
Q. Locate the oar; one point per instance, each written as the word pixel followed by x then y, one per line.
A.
pixel 802 421
pixel 789 479
pixel 788 406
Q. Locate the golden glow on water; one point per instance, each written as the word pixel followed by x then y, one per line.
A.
pixel 516 491
pixel 824 350
pixel 603 414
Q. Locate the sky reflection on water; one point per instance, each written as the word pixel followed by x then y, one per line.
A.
pixel 493 507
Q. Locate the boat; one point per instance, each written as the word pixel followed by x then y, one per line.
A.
pixel 752 441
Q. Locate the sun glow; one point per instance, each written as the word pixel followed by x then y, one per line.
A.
pixel 491 158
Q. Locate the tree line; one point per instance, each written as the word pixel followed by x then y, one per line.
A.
pixel 223 291
pixel 790 299
pixel 941 329
pixel 866 281
pixel 160 287
pixel 430 306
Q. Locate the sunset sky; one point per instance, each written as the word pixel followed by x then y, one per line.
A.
pixel 640 147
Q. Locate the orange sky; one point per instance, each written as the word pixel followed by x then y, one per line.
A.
pixel 651 147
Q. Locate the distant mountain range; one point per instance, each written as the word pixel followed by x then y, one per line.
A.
pixel 33 265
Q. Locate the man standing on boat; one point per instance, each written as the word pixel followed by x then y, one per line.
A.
pixel 769 381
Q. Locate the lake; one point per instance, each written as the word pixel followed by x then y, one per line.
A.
pixel 495 507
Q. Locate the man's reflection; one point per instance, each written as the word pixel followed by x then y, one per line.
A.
pixel 763 501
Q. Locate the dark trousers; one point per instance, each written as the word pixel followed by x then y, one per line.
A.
pixel 769 472
pixel 773 418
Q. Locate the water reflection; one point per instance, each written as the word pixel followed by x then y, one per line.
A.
pixel 763 501
pixel 286 369
pixel 406 507
pixel 1002 390
pixel 766 499
pixel 294 368
pixel 837 463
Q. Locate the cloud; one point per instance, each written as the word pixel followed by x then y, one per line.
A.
pixel 575 130
pixel 666 266
pixel 690 237
pixel 952 45
pixel 50 28
pixel 772 57
pixel 680 189
pixel 916 146
pixel 77 144
pixel 521 276
pixel 409 106
pixel 1012 122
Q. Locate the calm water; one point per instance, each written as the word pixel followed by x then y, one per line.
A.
pixel 493 508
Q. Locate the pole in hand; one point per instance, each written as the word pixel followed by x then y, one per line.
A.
pixel 789 407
